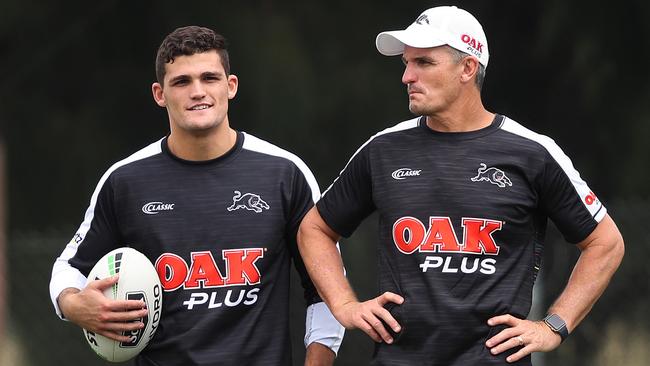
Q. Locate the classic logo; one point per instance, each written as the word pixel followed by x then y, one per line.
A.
pixel 153 208
pixel 475 47
pixel 493 175
pixel 403 173
pixel 248 201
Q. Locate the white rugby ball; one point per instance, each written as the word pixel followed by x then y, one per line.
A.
pixel 138 281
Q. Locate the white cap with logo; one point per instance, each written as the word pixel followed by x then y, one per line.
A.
pixel 442 25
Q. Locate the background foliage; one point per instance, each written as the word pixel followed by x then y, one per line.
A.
pixel 75 97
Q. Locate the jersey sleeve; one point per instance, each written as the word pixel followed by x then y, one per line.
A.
pixel 97 235
pixel 567 199
pixel 348 201
pixel 320 324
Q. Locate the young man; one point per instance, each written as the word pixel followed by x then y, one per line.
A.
pixel 216 191
pixel 463 196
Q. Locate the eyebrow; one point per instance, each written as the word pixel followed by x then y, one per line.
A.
pixel 419 58
pixel 212 73
pixel 203 74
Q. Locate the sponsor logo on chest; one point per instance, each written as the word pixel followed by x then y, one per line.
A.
pixel 439 237
pixel 202 273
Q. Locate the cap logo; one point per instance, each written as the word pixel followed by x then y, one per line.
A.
pixel 473 43
pixel 422 18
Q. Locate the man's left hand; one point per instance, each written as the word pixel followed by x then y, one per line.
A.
pixel 531 336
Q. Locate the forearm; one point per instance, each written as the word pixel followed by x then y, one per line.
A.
pixel 317 245
pixel 319 355
pixel 599 259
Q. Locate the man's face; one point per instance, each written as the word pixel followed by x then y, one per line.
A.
pixel 196 91
pixel 432 77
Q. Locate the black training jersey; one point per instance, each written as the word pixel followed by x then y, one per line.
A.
pixel 461 226
pixel 222 235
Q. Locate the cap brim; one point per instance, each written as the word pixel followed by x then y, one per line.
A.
pixel 392 43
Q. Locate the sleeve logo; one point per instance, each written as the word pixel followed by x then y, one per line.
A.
pixel 591 198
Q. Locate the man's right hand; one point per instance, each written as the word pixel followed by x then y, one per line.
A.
pixel 368 316
pixel 91 310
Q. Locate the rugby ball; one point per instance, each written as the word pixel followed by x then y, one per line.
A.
pixel 138 281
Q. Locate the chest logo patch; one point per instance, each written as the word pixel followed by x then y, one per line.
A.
pixel 493 175
pixel 248 201
pixel 403 173
pixel 154 208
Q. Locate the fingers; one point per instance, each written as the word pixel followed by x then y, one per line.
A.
pixel 373 318
pixel 529 336
pixel 508 343
pixel 387 297
pixel 120 314
pixel 121 326
pixel 388 319
pixel 508 338
pixel 125 305
pixel 112 310
pixel 117 336
pixel 523 352
pixel 502 336
pixel 104 283
pixel 373 328
pixel 92 310
pixel 506 319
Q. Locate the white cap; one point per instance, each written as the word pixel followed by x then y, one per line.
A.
pixel 442 25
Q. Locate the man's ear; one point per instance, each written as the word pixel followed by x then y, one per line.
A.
pixel 158 95
pixel 233 84
pixel 470 68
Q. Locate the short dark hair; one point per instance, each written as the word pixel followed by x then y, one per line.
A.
pixel 186 41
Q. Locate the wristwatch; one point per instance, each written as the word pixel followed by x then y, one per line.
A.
pixel 557 325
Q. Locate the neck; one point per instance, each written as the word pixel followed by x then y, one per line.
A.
pixel 202 145
pixel 464 115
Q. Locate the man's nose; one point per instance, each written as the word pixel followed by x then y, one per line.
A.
pixel 409 76
pixel 197 90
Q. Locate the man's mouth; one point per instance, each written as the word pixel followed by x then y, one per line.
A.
pixel 199 107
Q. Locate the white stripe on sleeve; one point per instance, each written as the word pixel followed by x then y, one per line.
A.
pixel 63 274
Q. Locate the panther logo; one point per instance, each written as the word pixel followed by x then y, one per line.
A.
pixel 492 175
pixel 248 201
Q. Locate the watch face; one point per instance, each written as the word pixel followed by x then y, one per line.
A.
pixel 555 322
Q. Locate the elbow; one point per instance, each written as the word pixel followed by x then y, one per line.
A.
pixel 306 229
pixel 618 249
pixel 300 237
